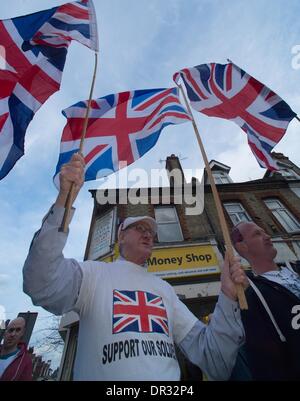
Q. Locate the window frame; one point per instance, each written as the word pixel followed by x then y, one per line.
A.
pixel 221 175
pixel 228 203
pixel 177 221
pixel 280 216
pixel 289 174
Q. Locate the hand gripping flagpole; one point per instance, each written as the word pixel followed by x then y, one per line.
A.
pixel 70 198
pixel 240 291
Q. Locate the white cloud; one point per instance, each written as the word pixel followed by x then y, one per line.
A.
pixel 245 166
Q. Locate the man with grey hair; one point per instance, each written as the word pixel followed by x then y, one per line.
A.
pixel 15 361
pixel 130 320
pixel 272 345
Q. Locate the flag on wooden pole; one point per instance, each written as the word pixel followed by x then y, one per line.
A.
pixel 33 51
pixel 226 91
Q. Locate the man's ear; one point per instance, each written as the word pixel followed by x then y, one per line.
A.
pixel 241 247
pixel 23 334
pixel 121 237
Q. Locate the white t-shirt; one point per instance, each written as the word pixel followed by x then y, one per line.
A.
pixel 4 363
pixel 284 276
pixel 129 321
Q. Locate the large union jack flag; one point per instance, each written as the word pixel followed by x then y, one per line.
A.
pixel 121 128
pixel 226 91
pixel 33 51
pixel 139 311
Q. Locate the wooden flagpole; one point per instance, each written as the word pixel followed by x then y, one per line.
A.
pixel 240 291
pixel 70 198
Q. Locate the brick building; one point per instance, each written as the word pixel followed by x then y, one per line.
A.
pixel 40 369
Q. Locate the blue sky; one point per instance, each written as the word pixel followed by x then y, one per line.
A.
pixel 142 43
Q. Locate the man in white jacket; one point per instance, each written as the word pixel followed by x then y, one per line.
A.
pixel 129 318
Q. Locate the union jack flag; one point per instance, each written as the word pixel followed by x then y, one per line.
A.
pixel 226 91
pixel 121 128
pixel 139 311
pixel 33 53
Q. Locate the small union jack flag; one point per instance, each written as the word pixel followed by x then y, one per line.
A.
pixel 139 311
pixel 33 51
pixel 122 127
pixel 226 91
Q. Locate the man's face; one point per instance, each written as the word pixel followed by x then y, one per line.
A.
pixel 257 241
pixel 137 241
pixel 13 333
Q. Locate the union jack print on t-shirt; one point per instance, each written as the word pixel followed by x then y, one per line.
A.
pixel 139 311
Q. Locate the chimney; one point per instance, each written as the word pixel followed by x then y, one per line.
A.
pixel 175 171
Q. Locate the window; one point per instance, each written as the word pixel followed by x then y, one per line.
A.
pixel 168 227
pixel 285 218
pixel 221 178
pixel 103 234
pixel 296 190
pixel 70 353
pixel 284 253
pixel 289 174
pixel 296 246
pixel 236 212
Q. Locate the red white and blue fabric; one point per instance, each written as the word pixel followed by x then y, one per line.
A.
pixel 33 51
pixel 139 311
pixel 226 91
pixel 121 128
